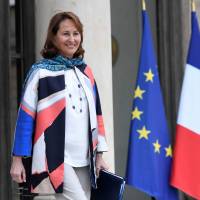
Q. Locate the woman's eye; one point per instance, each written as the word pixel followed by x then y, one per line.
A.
pixel 66 33
pixel 76 33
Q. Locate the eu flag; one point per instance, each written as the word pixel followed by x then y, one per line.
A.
pixel 150 152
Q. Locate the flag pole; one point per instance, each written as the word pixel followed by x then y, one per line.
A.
pixel 193 6
pixel 143 5
pixel 144 8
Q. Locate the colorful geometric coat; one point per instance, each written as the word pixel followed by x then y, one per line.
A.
pixel 40 127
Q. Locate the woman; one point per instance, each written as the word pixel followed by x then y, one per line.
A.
pixel 60 123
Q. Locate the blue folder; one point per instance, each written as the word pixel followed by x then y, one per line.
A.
pixel 109 187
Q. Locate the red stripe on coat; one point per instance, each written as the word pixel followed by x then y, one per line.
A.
pixel 94 143
pixel 29 112
pixel 89 73
pixel 47 116
pixel 100 123
pixel 57 176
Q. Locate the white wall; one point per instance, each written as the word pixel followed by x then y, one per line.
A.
pixel 95 16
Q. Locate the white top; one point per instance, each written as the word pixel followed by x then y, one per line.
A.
pixel 76 122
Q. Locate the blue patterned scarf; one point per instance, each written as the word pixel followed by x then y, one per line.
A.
pixel 57 63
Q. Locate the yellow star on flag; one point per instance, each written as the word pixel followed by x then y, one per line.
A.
pixel 149 76
pixel 138 92
pixel 143 133
pixel 168 151
pixel 136 113
pixel 156 146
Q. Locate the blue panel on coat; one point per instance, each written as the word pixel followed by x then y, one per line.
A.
pixel 55 142
pixel 23 134
pixel 50 85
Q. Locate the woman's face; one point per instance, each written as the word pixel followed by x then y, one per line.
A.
pixel 67 38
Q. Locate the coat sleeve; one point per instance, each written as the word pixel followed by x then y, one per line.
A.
pixel 102 144
pixel 25 124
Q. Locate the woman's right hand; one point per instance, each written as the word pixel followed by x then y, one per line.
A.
pixel 17 170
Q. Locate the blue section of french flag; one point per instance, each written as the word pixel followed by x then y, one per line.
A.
pixel 193 53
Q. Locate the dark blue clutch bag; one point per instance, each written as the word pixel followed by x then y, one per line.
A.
pixel 109 187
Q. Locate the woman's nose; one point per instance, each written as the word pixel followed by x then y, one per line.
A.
pixel 71 37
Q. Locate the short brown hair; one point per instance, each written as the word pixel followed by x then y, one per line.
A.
pixel 50 50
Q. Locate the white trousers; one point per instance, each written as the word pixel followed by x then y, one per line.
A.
pixel 76 185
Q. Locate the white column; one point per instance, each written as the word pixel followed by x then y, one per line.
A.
pixel 95 16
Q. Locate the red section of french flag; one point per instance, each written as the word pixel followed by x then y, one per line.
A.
pixel 186 162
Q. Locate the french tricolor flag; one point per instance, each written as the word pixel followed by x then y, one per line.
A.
pixel 186 158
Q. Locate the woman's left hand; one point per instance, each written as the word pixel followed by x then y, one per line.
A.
pixel 100 163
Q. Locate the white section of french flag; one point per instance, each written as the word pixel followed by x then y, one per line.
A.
pixel 189 107
pixel 186 158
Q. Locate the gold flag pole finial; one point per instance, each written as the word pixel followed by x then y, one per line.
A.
pixel 193 6
pixel 143 5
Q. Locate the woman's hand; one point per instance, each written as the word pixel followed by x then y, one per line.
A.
pixel 17 170
pixel 100 163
